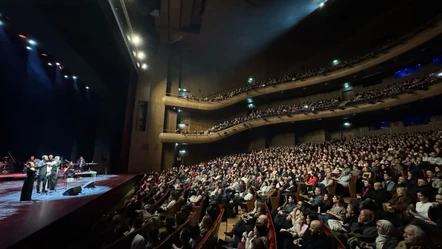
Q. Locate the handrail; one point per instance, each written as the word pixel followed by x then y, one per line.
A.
pixel 432 91
pixel 401 48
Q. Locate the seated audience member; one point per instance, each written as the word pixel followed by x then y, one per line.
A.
pixel 238 199
pixel 308 186
pixel 138 242
pixel 345 224
pixel 422 206
pixel 246 223
pixel 433 180
pixel 260 231
pixel 299 224
pixel 374 199
pixel 281 214
pixel 195 235
pixel 290 189
pixel 185 237
pixel 152 238
pixel 432 225
pixel 388 236
pixel 272 192
pixel 327 203
pixel 259 243
pixel 422 185
pixel 324 184
pixel 395 208
pixel 316 239
pixel 316 200
pixel 168 228
pixel 364 230
pixel 337 212
pixel 414 237
pixel 402 182
pixel 343 182
pixel 388 184
pixel 195 197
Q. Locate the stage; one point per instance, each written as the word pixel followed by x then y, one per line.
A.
pixel 18 219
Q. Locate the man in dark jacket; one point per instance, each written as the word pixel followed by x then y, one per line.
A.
pixel 317 238
pixel 377 197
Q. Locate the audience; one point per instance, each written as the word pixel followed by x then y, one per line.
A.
pixel 365 96
pixel 231 180
pixel 296 76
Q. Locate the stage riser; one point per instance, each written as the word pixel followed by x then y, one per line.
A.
pixel 76 226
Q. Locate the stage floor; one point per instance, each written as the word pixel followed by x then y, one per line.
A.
pixel 20 219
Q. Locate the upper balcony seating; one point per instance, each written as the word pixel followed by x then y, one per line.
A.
pixel 361 102
pixel 314 76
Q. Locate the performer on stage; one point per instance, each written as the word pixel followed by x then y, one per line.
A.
pixel 42 174
pixel 53 177
pixel 81 163
pixel 28 184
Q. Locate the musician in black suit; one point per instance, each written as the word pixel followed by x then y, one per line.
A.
pixel 42 174
pixel 81 163
pixel 28 184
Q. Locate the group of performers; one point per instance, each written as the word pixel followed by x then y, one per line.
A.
pixel 46 170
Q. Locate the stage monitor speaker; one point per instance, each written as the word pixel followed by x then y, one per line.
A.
pixel 90 185
pixel 73 191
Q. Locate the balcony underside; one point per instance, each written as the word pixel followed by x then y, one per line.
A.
pixel 408 45
pixel 433 91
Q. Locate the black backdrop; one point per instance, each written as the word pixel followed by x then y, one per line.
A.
pixel 42 112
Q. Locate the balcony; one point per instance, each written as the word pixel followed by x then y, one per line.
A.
pixel 417 40
pixel 433 91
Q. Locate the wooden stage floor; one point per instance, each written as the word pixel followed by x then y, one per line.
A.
pixel 20 219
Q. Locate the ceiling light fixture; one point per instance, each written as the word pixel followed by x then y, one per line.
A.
pixel 136 40
pixel 141 55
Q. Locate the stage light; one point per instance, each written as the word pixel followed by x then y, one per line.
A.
pixel 22 36
pixel 1 23
pixel 28 48
pixel 321 4
pixel 144 66
pixel 136 40
pixel 74 77
pixel 135 53
pixel 32 42
pixel 250 80
pixel 66 76
pixel 56 63
pixel 141 55
pixel 49 64
pixel 87 88
pixel 44 54
pixel 138 64
pixel 335 62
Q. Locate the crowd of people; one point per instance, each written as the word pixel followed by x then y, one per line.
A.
pixel 311 106
pixel 398 202
pixel 296 76
pixel 405 86
pixel 391 90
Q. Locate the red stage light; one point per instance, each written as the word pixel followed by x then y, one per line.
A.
pixel 22 36
pixel 44 54
pixel 61 68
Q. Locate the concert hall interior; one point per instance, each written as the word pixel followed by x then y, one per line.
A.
pixel 197 124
